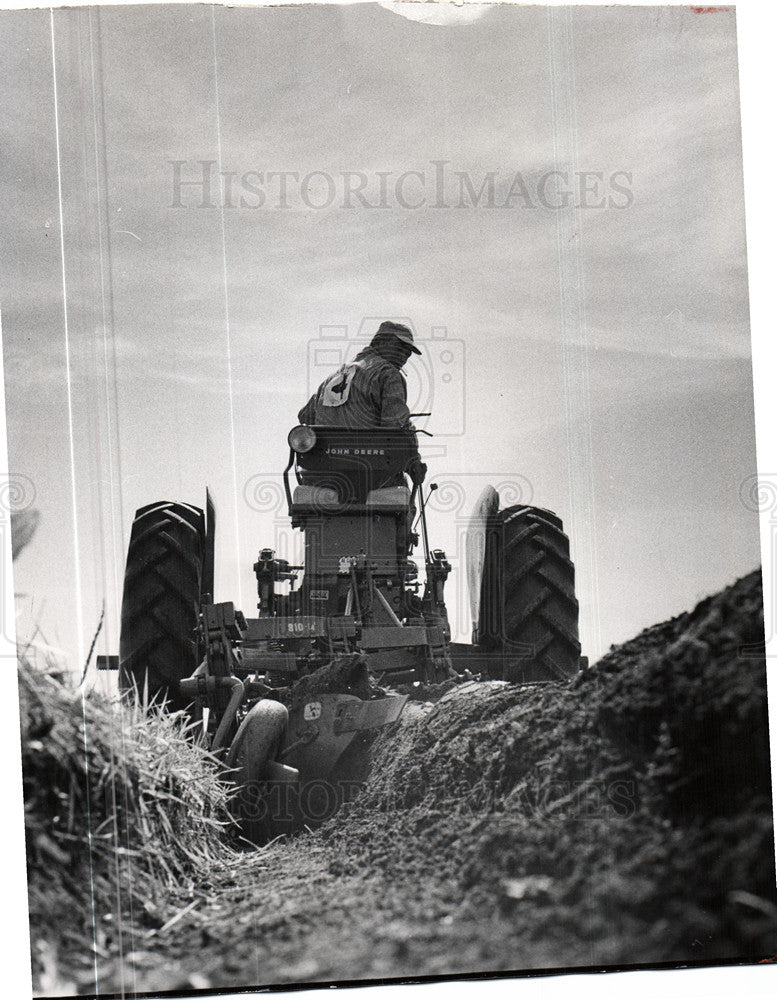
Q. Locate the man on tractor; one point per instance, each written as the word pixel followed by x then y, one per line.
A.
pixel 370 391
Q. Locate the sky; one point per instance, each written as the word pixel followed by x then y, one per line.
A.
pixel 577 281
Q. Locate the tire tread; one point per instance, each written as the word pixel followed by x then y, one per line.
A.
pixel 161 600
pixel 528 595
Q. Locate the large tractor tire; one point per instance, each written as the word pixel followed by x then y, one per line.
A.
pixel 528 609
pixel 161 602
pixel 259 805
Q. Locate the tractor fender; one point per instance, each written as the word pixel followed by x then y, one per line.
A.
pixel 487 507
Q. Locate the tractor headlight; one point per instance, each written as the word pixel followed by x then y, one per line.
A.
pixel 302 438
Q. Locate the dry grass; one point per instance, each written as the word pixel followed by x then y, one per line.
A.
pixel 124 819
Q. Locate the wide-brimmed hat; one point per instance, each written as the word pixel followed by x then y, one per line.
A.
pixel 401 332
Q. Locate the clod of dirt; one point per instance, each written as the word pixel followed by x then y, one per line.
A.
pixel 641 790
pixel 345 675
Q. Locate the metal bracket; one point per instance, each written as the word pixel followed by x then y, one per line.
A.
pixel 353 716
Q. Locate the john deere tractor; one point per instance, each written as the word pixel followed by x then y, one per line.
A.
pixel 338 640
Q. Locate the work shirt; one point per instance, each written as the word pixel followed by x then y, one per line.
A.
pixel 366 392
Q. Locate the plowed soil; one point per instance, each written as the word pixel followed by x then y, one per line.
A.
pixel 620 819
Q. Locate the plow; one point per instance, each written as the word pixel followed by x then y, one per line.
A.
pixel 339 642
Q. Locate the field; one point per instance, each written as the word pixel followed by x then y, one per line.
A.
pixel 623 818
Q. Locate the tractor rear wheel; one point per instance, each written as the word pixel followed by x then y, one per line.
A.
pixel 528 609
pixel 161 602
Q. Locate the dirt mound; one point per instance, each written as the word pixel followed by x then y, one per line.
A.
pixel 695 706
pixel 624 817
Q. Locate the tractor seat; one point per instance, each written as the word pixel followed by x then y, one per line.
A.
pixel 316 497
pixel 309 500
pixel 389 498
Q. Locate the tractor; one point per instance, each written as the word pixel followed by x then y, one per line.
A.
pixel 339 642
